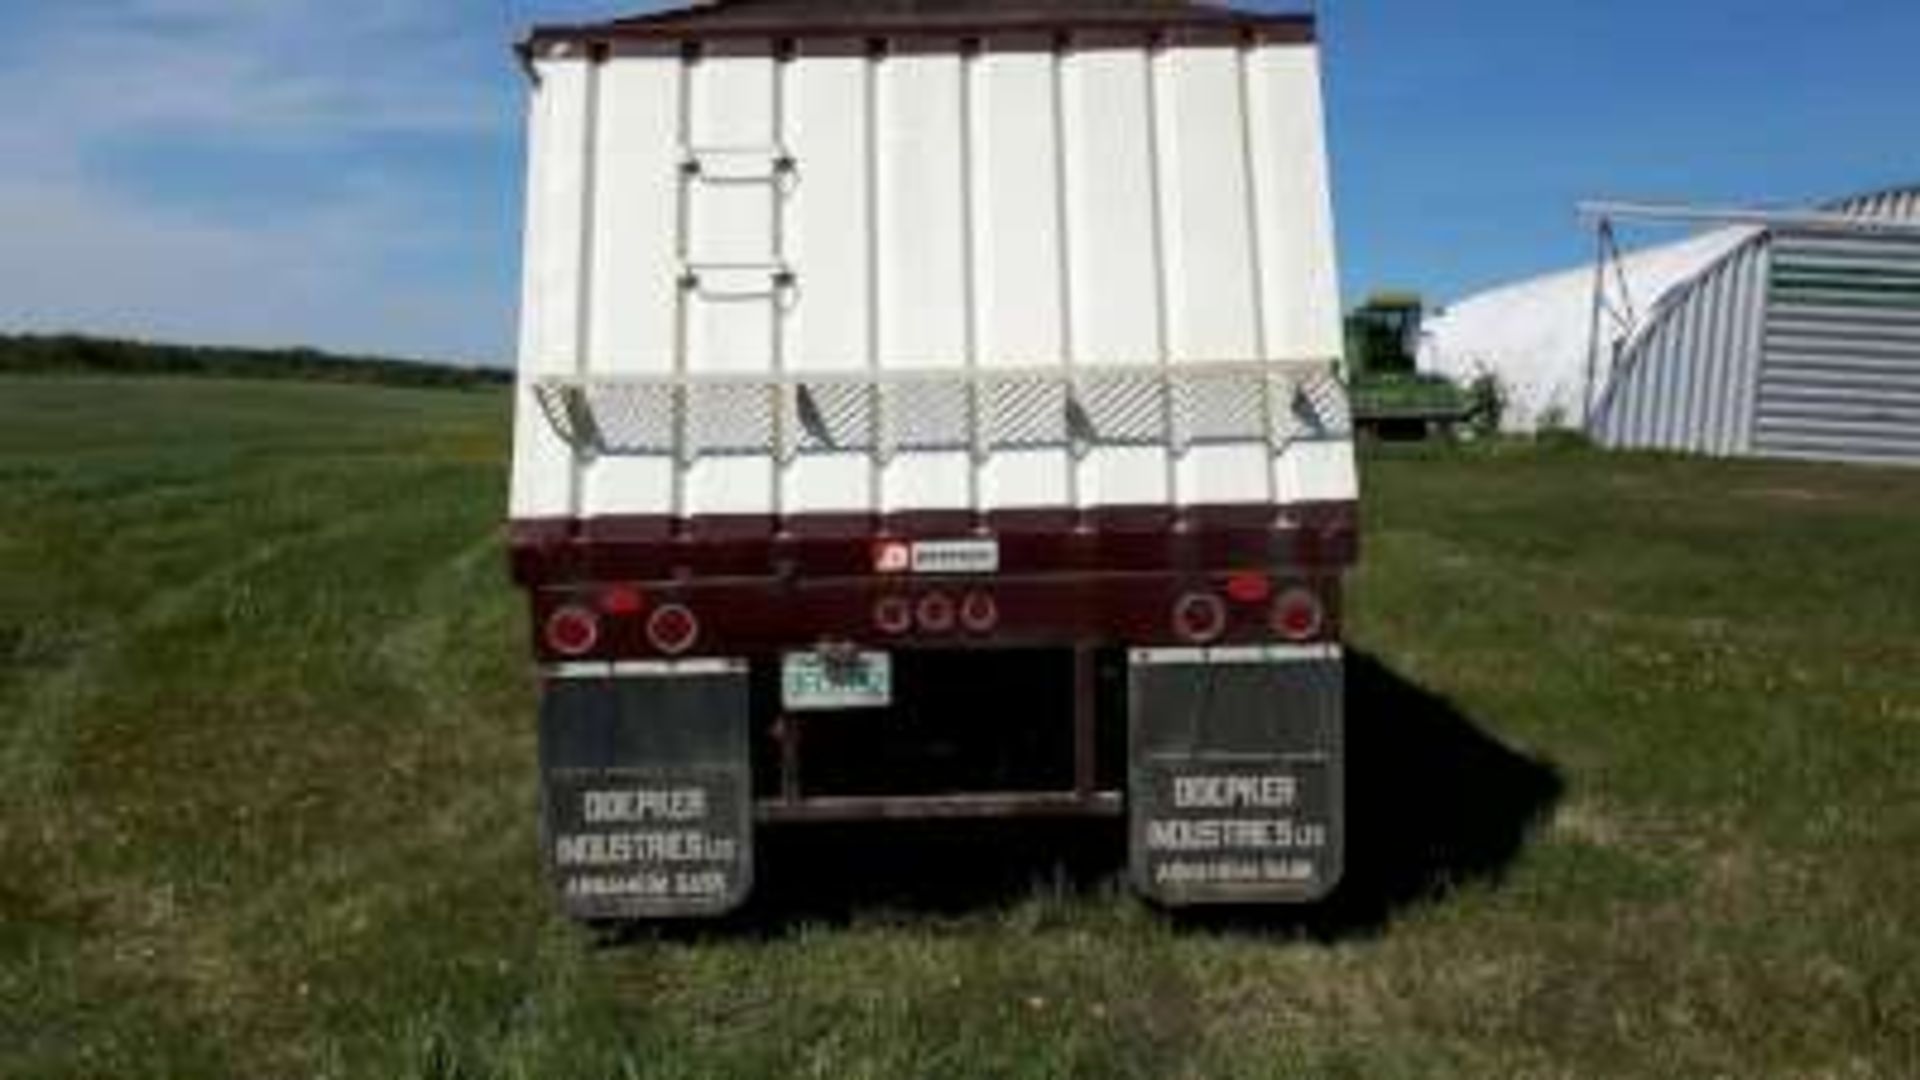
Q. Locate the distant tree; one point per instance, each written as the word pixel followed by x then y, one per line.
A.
pixel 1489 398
pixel 52 353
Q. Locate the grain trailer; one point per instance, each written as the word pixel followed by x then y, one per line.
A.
pixel 931 411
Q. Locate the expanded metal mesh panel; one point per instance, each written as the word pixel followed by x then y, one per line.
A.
pixel 730 418
pixel 1318 408
pixel 644 422
pixel 640 419
pixel 1121 408
pixel 1220 409
pixel 834 417
pixel 1024 412
pixel 927 416
pixel 1179 407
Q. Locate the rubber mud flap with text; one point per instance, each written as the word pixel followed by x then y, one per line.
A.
pixel 647 791
pixel 1235 793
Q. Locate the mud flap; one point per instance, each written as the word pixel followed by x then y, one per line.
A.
pixel 1236 774
pixel 647 789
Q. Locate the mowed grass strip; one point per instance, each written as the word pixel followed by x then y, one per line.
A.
pixel 1636 784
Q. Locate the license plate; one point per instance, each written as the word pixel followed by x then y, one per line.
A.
pixel 811 682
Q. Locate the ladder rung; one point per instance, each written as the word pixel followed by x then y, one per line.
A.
pixel 737 164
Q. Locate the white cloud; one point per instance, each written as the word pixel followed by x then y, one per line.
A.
pixel 81 259
pixel 317 80
pixel 299 71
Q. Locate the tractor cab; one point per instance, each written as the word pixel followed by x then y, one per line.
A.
pixel 1391 398
pixel 1383 335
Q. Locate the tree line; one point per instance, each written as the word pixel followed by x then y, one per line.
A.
pixel 82 354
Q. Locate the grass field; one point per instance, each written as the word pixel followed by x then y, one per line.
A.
pixel 1636 783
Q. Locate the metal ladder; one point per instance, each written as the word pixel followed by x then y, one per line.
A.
pixel 720 281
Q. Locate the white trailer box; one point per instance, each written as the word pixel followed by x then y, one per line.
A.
pixel 887 323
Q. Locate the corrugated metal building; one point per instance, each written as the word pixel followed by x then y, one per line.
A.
pixel 1799 338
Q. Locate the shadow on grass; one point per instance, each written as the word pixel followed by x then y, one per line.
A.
pixel 1433 802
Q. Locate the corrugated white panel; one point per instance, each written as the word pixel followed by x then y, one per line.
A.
pixel 928 209
pixel 1019 273
pixel 545 477
pixel 1114 275
pixel 1318 470
pixel 923 275
pixel 1299 280
pixel 1207 206
pixel 634 308
pixel 541 459
pixel 733 246
pixel 1210 248
pixel 829 237
pixel 1299 272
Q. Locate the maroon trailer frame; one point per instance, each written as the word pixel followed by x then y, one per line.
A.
pixel 758 588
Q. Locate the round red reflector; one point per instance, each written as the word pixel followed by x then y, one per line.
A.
pixel 573 631
pixel 623 600
pixel 1199 617
pixel 1298 616
pixel 893 614
pixel 980 612
pixel 935 613
pixel 1249 587
pixel 672 629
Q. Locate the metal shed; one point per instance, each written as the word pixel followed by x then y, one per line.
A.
pixel 1775 334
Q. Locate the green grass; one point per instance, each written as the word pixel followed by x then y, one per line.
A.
pixel 1640 736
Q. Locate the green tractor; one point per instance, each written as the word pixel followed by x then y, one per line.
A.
pixel 1391 398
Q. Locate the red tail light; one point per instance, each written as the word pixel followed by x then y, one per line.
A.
pixel 980 613
pixel 893 614
pixel 1250 587
pixel 623 600
pixel 573 631
pixel 1199 618
pixel 935 613
pixel 673 629
pixel 1298 615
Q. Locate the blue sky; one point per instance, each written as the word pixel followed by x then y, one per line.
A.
pixel 345 173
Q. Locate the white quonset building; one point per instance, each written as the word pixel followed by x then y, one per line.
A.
pixel 1791 334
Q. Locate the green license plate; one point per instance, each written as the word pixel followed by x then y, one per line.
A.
pixel 812 682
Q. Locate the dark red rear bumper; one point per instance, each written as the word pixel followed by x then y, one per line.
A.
pixel 757 585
